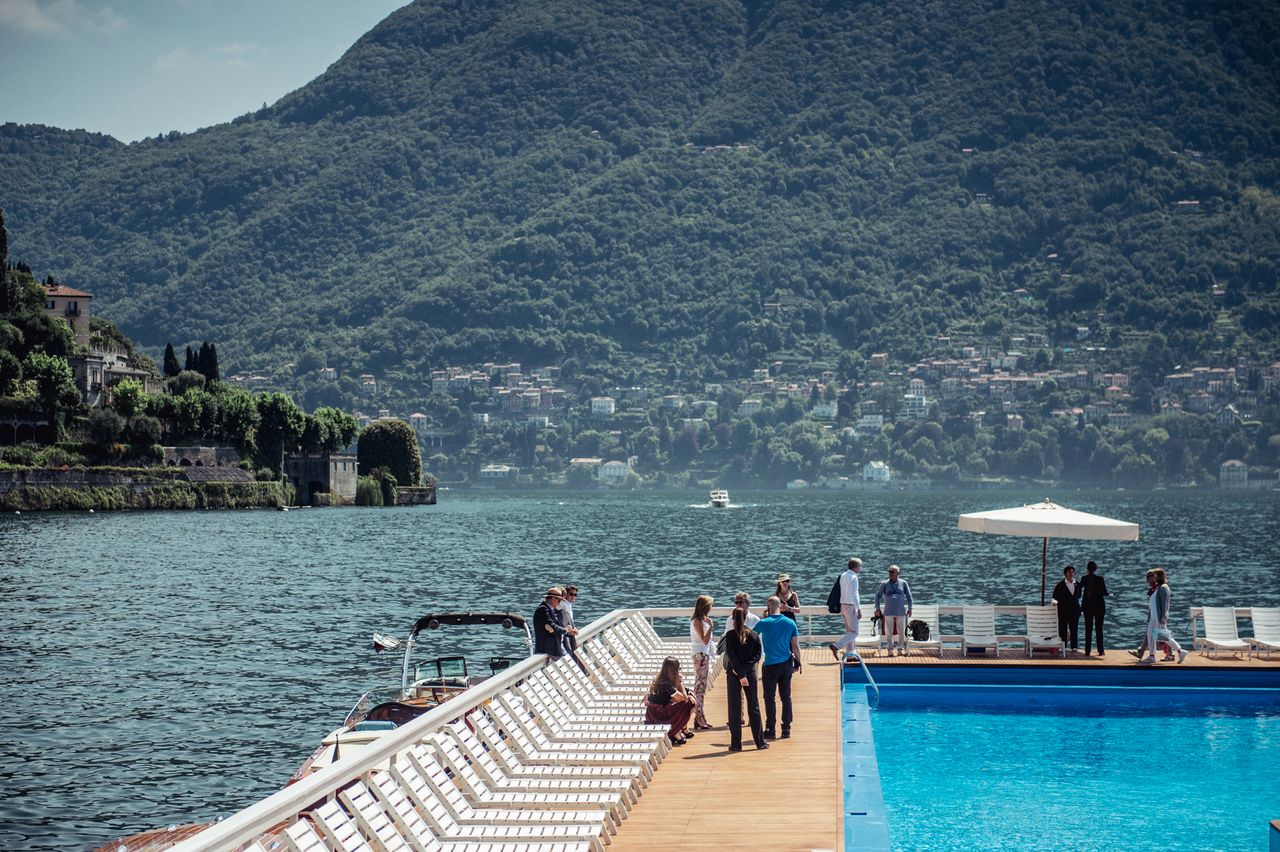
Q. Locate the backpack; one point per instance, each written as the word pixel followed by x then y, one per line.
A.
pixel 833 599
pixel 919 630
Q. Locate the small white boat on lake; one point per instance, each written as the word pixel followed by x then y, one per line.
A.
pixel 719 498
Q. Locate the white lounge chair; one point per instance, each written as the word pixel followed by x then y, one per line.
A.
pixel 979 629
pixel 873 640
pixel 1042 631
pixel 928 613
pixel 428 805
pixel 374 822
pixel 555 727
pixel 338 829
pixel 509 775
pixel 1220 633
pixel 584 692
pixel 520 750
pixel 1266 630
pixel 483 793
pixel 464 813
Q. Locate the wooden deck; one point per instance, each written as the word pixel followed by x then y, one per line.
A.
pixel 703 797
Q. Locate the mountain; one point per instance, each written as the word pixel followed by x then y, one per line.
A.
pixel 621 183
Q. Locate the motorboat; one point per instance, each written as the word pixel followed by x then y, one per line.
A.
pixel 424 684
pixel 719 498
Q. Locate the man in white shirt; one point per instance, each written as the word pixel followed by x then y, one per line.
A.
pixel 850 608
pixel 566 612
pixel 742 601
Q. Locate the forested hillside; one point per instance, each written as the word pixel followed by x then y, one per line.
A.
pixel 623 182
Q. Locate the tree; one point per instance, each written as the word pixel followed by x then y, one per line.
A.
pixel 340 429
pixel 206 362
pixel 391 444
pixel 105 427
pixel 185 381
pixel 55 384
pixel 192 365
pixel 128 398
pixel 8 284
pixel 171 367
pixel 238 417
pixel 10 372
pixel 144 431
pixel 279 428
pixel 188 413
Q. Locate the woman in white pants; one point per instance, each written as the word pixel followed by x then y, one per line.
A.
pixel 1158 616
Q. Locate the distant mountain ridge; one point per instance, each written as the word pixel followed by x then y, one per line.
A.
pixel 622 181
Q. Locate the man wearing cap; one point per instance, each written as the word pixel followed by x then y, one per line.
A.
pixel 893 602
pixel 549 632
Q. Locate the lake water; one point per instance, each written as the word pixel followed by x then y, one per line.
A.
pixel 171 667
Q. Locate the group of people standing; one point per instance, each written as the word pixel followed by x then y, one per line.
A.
pixel 1088 597
pixel 748 640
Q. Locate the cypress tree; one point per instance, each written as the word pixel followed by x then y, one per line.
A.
pixel 215 373
pixel 171 367
pixel 202 359
pixel 191 360
pixel 8 292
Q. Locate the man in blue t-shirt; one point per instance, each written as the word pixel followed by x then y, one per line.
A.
pixel 781 641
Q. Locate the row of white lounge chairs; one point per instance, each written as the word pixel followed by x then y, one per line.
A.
pixel 551 764
pixel 979 632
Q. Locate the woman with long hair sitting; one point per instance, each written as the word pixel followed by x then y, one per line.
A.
pixel 742 652
pixel 667 702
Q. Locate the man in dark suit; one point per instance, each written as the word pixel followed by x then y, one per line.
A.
pixel 1067 597
pixel 549 632
pixel 1094 604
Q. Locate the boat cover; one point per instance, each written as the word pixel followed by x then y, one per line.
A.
pixel 438 619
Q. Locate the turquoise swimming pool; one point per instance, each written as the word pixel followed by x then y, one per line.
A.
pixel 1041 768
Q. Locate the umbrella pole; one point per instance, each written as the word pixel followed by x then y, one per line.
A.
pixel 1044 567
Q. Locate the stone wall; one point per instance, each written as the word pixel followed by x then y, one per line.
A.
pixel 423 495
pixel 37 489
pixel 201 456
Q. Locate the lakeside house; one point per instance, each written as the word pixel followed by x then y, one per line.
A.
pixel 72 307
pixel 1233 474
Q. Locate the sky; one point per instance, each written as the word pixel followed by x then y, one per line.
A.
pixel 137 68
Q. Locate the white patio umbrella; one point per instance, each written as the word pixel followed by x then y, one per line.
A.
pixel 1048 520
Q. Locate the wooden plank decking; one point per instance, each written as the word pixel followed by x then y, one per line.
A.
pixel 785 798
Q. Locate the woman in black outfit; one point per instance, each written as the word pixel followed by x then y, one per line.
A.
pixel 790 600
pixel 742 652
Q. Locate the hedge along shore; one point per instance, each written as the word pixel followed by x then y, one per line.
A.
pixel 78 490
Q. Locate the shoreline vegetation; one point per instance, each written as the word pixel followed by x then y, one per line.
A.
pixel 29 489
pixel 110 489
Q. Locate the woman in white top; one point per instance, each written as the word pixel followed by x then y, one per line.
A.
pixel 701 631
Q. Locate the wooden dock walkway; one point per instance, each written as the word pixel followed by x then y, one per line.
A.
pixel 703 797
